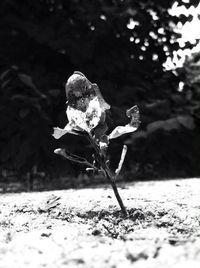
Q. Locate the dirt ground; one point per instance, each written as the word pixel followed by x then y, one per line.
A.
pixel 84 228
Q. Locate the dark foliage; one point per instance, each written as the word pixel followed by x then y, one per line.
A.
pixel 41 44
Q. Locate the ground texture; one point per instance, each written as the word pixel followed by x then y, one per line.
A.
pixel 84 228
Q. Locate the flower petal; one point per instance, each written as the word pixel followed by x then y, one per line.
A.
pixel 133 113
pixel 86 106
pixel 85 120
pixel 121 130
pixel 59 132
pixel 104 105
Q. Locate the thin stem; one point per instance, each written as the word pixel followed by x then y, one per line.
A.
pixel 108 175
pixel 117 195
pixel 123 154
pixel 75 158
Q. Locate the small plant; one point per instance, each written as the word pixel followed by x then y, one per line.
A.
pixel 86 112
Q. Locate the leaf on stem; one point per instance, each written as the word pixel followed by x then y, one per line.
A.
pixel 74 158
pixel 133 113
pixel 59 132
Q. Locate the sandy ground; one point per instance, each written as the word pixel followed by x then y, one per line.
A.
pixel 84 228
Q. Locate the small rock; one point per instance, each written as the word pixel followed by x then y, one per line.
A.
pixel 46 234
pixel 96 232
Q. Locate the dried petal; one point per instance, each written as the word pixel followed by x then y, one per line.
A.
pixel 59 132
pixel 104 105
pixel 86 106
pixel 133 113
pixel 85 120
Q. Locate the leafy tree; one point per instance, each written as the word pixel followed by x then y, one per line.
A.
pixel 191 76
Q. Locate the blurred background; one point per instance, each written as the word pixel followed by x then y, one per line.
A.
pixel 138 52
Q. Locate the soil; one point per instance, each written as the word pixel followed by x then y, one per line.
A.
pixel 85 228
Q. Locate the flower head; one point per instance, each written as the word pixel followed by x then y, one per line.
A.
pixel 86 106
pixel 86 111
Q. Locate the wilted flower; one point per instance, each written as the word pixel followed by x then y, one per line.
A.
pixel 86 111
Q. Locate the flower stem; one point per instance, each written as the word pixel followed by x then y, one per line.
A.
pixel 118 197
pixel 108 174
